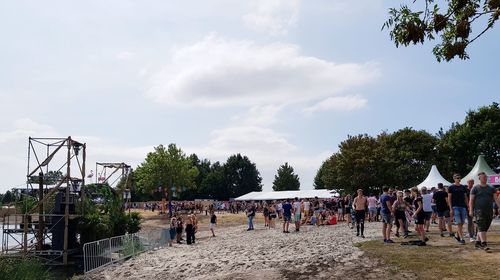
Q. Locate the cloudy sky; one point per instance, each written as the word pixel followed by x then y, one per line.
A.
pixel 276 80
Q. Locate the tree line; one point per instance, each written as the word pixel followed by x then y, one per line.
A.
pixel 403 158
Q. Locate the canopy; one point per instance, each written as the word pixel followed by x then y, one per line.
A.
pixel 287 195
pixel 433 179
pixel 480 166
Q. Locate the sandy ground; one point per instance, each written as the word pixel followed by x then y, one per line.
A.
pixel 326 252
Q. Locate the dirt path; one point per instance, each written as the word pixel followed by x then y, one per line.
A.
pixel 326 252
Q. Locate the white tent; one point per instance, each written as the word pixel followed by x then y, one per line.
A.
pixel 480 166
pixel 433 179
pixel 287 195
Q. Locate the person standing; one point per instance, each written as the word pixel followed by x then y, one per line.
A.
pixel 265 212
pixel 399 209
pixel 189 230
pixel 419 215
pixel 341 210
pixel 213 223
pixel 442 207
pixel 427 202
pixel 287 215
pixel 386 202
pixel 360 203
pixel 457 196
pixel 372 208
pixel 297 209
pixel 307 207
pixel 179 229
pixel 471 227
pixel 172 231
pixel 272 215
pixel 250 215
pixel 348 205
pixel 481 201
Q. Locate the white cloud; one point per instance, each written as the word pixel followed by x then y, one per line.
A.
pixel 259 116
pixel 124 55
pixel 339 103
pixel 274 17
pixel 219 72
pixel 264 146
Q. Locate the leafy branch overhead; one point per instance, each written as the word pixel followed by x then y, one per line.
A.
pixel 457 23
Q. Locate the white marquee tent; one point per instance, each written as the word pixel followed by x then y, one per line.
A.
pixel 480 166
pixel 433 179
pixel 287 195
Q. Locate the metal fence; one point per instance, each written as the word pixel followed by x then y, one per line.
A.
pixel 107 251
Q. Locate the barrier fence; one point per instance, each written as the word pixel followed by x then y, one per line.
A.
pixel 110 250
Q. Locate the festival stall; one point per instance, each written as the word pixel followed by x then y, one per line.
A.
pixel 480 166
pixel 287 195
pixel 433 179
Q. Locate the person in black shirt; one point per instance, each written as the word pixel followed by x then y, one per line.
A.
pixel 419 215
pixel 457 197
pixel 440 198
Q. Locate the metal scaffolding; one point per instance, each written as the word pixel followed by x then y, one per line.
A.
pixel 111 172
pixel 46 223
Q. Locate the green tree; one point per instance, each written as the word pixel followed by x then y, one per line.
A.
pixel 8 197
pixel 357 164
pixel 214 185
pixel 318 179
pixel 49 178
pixel 406 156
pixel 286 179
pixel 462 143
pixel 241 176
pixel 451 20
pixel 203 167
pixel 329 174
pixel 169 168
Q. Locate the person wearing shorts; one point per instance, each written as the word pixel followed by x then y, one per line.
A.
pixel 213 223
pixel 441 199
pixel 348 205
pixel 419 215
pixel 287 215
pixel 297 209
pixel 372 208
pixel 386 201
pixel 427 202
pixel 457 196
pixel 307 207
pixel 481 201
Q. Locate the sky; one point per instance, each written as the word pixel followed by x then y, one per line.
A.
pixel 276 80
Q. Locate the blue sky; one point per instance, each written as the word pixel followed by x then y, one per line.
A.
pixel 277 80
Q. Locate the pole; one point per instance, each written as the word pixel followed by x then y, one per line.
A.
pixel 41 224
pixel 66 205
pixel 82 191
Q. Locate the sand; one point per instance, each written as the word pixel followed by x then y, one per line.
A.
pixel 326 252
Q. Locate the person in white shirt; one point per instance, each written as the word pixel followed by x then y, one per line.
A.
pixel 372 208
pixel 297 209
pixel 427 207
pixel 307 207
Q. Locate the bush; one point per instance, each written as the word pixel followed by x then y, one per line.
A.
pixel 22 268
pixel 134 221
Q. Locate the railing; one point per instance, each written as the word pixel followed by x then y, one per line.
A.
pixel 107 251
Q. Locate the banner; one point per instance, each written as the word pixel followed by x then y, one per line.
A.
pixel 494 179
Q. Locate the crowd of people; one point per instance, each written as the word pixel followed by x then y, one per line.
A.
pixel 444 206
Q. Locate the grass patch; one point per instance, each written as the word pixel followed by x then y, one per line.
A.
pixel 442 259
pixel 22 268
